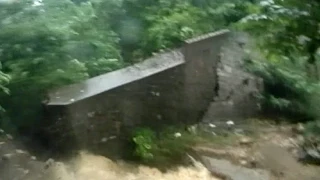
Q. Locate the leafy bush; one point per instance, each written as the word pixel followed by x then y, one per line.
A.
pixel 165 148
pixel 290 65
pixel 148 26
pixel 145 141
pixel 50 45
pixel 288 90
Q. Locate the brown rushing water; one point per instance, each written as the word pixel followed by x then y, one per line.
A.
pixel 93 167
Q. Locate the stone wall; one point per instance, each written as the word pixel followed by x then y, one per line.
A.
pixel 169 88
pixel 237 89
pixel 202 57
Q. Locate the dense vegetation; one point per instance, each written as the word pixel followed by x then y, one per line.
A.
pixel 287 35
pixel 49 43
pixel 169 147
pixel 45 44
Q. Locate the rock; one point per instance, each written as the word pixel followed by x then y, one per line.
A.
pixel 295 152
pixel 241 154
pixel 91 114
pixel 300 140
pixel 283 128
pixel 1 131
pixel 7 157
pixel 19 151
pixel 49 163
pixel 291 143
pixel 253 163
pixel 246 141
pixel 112 137
pixel 299 128
pixel 239 132
pixel 193 129
pixel 313 153
pixel 233 171
pixel 312 157
pixel 9 137
pixel 301 155
pixel 33 158
pixel 212 125
pixel 210 151
pixel 244 162
pixel 25 171
pixel 230 123
pixel 309 155
pixel 103 140
pixel 177 134
pixel 230 103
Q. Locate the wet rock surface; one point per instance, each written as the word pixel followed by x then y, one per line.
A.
pixel 310 155
pixel 237 89
pixel 234 172
pixel 268 148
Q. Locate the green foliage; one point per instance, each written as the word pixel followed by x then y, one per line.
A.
pixel 51 45
pixel 163 148
pixel 169 146
pixel 288 89
pixel 149 26
pixel 145 141
pixel 282 22
pixel 181 23
pixel 280 28
pixel 59 42
pixel 290 70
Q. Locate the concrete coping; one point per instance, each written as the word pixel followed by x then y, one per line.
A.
pixel 207 36
pixel 72 93
pixel 160 62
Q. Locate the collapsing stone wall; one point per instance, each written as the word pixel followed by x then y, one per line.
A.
pixel 237 89
pixel 170 88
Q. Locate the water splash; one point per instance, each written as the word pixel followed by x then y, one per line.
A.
pixel 93 167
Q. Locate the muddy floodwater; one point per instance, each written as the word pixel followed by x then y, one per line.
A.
pixel 93 167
